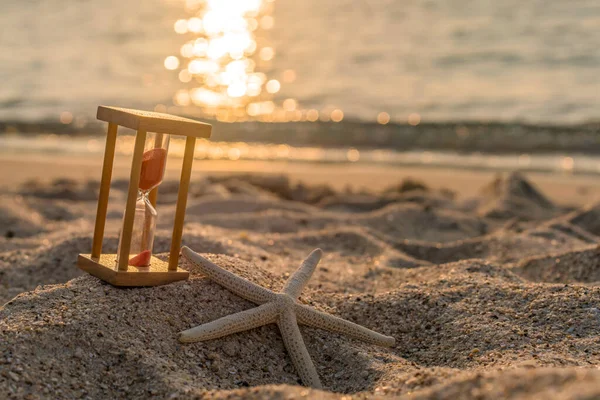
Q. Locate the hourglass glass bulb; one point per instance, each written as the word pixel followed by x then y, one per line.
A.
pixel 144 222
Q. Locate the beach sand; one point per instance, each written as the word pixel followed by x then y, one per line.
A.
pixel 488 283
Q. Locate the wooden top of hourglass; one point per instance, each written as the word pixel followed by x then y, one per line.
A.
pixel 149 121
pixel 104 266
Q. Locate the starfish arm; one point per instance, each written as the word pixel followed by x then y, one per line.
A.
pixel 292 338
pixel 293 287
pixel 242 321
pixel 317 319
pixel 238 285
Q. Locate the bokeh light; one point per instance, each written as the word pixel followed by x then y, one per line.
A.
pixel 312 115
pixel 273 86
pixel 194 25
pixel 353 155
pixel 414 119
pixel 182 98
pixel 289 104
pixel 171 63
pixel 337 115
pixel 266 53
pixel 185 76
pixel 383 118
pixel 66 117
pixel 181 26
pixel 567 164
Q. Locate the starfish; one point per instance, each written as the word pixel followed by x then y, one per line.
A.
pixel 281 308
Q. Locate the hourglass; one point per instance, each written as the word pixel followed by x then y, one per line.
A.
pixel 134 264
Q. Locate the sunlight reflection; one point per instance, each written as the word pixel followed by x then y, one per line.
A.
pixel 273 86
pixel 337 115
pixel 220 56
pixel 66 117
pixel 414 119
pixel 353 155
pixel 222 63
pixel 383 118
pixel 171 62
pixel 235 151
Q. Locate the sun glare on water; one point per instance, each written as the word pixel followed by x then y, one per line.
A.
pixel 225 66
pixel 221 62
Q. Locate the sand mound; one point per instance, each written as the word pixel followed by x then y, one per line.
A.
pixel 504 245
pixel 17 219
pixel 64 189
pixel 572 267
pixel 240 204
pixel 23 270
pixel 269 221
pixel 481 307
pixel 515 197
pixel 587 219
pixel 542 383
pixel 364 202
pixel 411 221
pixel 113 338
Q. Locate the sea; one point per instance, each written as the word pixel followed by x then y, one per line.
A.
pixel 367 64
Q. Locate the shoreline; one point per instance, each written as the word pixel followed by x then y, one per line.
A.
pixel 66 146
pixel 577 190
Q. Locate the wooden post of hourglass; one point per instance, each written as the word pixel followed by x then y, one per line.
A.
pixel 107 166
pixel 134 181
pixel 184 184
pixel 159 272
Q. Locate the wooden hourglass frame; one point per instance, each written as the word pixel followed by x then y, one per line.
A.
pixel 106 266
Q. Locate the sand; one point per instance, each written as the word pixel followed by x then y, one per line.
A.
pixel 492 295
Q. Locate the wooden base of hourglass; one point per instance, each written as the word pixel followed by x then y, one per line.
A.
pixel 156 274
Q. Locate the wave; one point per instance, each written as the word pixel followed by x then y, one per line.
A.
pixel 569 149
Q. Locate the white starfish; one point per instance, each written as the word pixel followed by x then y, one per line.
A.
pixel 280 308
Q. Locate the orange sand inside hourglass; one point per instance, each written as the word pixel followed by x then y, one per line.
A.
pixel 153 168
pixel 141 260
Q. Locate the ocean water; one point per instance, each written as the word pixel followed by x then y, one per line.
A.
pixel 439 60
